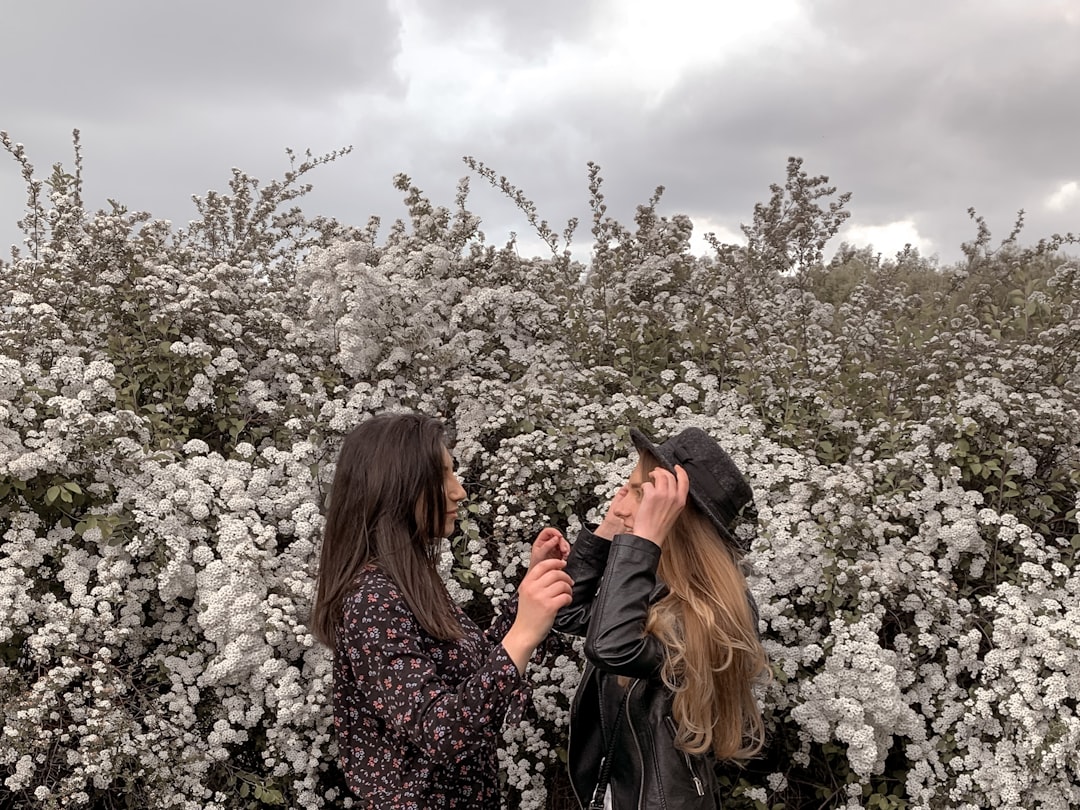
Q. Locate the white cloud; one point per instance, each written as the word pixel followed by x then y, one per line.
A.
pixel 702 226
pixel 889 239
pixel 1065 197
pixel 650 47
pixel 632 49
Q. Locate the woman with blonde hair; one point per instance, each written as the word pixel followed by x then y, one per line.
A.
pixel 670 630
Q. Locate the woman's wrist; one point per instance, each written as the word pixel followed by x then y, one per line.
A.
pixel 648 533
pixel 608 529
pixel 520 646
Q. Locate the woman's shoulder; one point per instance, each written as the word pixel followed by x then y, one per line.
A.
pixel 372 589
pixel 373 611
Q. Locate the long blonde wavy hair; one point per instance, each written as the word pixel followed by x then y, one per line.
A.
pixel 713 656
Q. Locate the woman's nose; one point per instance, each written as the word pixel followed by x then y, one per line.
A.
pixel 457 492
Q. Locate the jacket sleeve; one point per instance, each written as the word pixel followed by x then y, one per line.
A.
pixel 386 651
pixel 616 641
pixel 585 566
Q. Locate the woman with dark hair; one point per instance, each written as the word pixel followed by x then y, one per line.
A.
pixel 420 692
pixel 670 632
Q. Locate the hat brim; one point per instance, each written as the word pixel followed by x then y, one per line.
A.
pixel 644 444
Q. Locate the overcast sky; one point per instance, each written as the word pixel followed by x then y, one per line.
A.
pixel 921 109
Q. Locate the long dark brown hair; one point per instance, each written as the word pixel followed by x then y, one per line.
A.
pixel 386 508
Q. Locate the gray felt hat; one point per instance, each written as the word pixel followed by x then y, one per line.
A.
pixel 717 487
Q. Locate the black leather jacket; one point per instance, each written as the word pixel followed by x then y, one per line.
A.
pixel 614 584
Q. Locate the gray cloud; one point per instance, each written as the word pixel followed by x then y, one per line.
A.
pixel 919 114
pixel 113 60
pixel 523 28
pixel 169 98
pixel 920 109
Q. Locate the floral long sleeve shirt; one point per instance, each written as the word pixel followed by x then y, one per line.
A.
pixel 418 719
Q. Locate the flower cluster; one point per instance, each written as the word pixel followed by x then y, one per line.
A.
pixel 171 404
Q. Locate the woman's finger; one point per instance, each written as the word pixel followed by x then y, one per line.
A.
pixel 546 565
pixel 554 579
pixel 548 534
pixel 682 481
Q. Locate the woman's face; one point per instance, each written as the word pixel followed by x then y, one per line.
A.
pixel 626 508
pixel 454 494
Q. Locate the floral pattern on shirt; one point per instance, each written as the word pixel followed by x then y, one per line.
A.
pixel 419 719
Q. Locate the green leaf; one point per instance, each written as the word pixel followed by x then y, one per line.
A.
pixel 52 494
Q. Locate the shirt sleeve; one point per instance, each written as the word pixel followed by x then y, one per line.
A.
pixel 500 625
pixel 386 650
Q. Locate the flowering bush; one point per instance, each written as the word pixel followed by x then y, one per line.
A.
pixel 172 403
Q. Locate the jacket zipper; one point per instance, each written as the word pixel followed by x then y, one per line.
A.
pixel 693 775
pixel 569 744
pixel 637 746
pixel 686 757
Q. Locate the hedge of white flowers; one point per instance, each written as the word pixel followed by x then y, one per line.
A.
pixel 171 404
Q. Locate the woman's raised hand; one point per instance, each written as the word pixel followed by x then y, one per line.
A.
pixel 545 588
pixel 663 497
pixel 549 545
